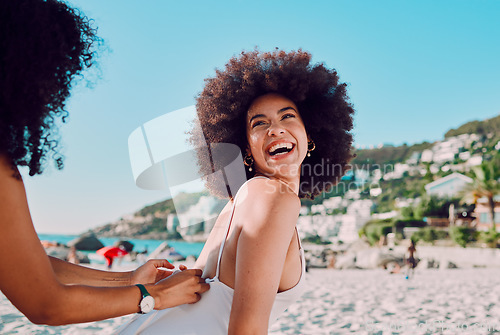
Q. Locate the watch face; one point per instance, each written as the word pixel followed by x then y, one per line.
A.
pixel 147 304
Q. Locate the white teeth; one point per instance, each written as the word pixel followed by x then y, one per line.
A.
pixel 275 147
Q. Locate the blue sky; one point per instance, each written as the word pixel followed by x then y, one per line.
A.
pixel 414 69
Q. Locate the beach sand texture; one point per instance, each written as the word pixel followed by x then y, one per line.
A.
pixel 447 301
pixel 377 302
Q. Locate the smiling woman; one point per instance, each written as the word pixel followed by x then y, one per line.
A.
pixel 277 139
pixel 315 93
pixel 283 113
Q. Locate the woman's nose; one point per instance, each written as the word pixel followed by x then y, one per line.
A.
pixel 275 129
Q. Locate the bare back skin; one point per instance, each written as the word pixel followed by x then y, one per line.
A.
pixel 208 258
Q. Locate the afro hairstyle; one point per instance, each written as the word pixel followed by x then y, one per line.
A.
pixel 44 44
pixel 322 101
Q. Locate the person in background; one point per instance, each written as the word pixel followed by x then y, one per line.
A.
pixel 44 45
pixel 142 256
pixel 72 256
pixel 109 261
pixel 411 260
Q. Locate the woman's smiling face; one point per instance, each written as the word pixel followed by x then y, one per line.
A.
pixel 277 138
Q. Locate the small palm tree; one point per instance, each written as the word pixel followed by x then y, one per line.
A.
pixel 485 184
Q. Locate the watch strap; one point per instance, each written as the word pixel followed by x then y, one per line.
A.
pixel 144 292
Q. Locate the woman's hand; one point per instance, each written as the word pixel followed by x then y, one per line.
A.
pixel 150 272
pixel 180 288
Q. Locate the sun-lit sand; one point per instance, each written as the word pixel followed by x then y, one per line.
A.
pixel 447 301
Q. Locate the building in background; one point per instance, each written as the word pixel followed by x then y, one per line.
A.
pixel 483 215
pixel 448 186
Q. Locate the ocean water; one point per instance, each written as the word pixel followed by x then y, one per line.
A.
pixel 184 248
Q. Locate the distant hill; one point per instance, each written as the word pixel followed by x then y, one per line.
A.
pixel 388 154
pixel 183 201
pixel 399 154
pixel 162 206
pixel 149 222
pixel 488 126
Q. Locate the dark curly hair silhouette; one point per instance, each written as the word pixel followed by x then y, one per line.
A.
pixel 44 44
pixel 322 102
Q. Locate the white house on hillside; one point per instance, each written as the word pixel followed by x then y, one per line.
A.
pixel 358 213
pixel 426 156
pixel 448 186
pixel 474 161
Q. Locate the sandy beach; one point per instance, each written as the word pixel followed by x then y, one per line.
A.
pixel 376 302
pixel 446 301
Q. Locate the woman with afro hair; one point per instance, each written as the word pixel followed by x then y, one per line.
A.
pixel 291 122
pixel 44 44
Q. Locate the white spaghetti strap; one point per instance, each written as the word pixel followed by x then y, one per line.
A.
pixel 225 236
pixel 298 237
pixel 229 225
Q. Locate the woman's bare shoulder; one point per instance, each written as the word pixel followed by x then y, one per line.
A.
pixel 268 199
pixel 263 189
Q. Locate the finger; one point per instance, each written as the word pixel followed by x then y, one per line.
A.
pixel 203 288
pixel 162 274
pixel 196 298
pixel 196 272
pixel 161 263
pixel 182 267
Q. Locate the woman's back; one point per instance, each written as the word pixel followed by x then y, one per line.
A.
pixel 212 313
pixel 227 230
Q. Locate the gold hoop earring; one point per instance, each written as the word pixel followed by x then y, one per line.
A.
pixel 248 161
pixel 310 147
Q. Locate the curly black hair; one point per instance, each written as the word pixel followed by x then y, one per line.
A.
pixel 322 102
pixel 44 44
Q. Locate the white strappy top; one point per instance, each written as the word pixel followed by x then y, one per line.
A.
pixel 211 314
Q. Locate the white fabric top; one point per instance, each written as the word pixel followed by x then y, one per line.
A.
pixel 211 314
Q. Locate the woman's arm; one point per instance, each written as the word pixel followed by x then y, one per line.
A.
pixel 149 273
pixel 29 282
pixel 261 252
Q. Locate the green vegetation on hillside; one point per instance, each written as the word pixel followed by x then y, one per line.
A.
pixel 373 230
pixel 182 202
pixel 489 126
pixel 335 192
pixel 166 206
pixel 387 155
pixel 410 187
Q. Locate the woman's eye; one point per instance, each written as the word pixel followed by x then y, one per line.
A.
pixel 286 116
pixel 257 123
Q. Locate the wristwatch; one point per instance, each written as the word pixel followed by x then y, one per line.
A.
pixel 147 303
